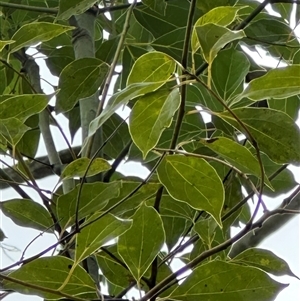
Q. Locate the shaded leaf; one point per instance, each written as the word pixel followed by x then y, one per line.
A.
pixel 51 272
pixel 276 83
pixel 78 168
pixel 94 197
pixel 69 8
pixel 229 70
pixel 27 213
pixel 158 6
pixel 194 181
pixel 36 32
pixel 92 237
pixel 222 281
pixel 275 132
pixel 12 129
pixel 137 251
pixel 265 260
pixel 80 79
pixel 212 38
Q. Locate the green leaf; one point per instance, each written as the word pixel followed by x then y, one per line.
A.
pixel 92 237
pixel 36 32
pixel 222 15
pixel 4 43
pixel 277 83
pixel 80 79
pixel 69 8
pixel 27 213
pixel 149 117
pixel 265 260
pixel 289 105
pixel 149 72
pixel 236 154
pixel 194 181
pixel 23 106
pixel 206 229
pixel 112 268
pixel 138 252
pixel 51 272
pixel 78 167
pixel 174 229
pixel 152 67
pixel 229 70
pixel 275 132
pixel 12 129
pixel 93 198
pixel 158 6
pixel 212 38
pixel 223 281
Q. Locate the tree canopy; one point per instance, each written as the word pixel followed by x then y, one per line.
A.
pixel 168 62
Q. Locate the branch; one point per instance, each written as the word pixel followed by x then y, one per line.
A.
pixel 252 239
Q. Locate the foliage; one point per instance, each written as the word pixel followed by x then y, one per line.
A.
pixel 179 58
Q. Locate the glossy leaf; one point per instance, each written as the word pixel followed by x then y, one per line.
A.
pixel 94 197
pixel 265 260
pixel 75 7
pixel 27 213
pixel 23 106
pixel 78 168
pixel 222 281
pixel 36 32
pixel 277 83
pixel 51 272
pixel 79 79
pixel 92 237
pixel 272 130
pixel 137 251
pixel 194 181
pixel 212 38
pixel 149 117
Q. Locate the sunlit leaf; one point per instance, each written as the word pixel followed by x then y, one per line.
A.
pixel 194 181
pixel 277 83
pixel 93 198
pixel 149 117
pixel 137 251
pixel 4 43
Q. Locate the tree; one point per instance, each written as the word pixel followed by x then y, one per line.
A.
pixel 179 58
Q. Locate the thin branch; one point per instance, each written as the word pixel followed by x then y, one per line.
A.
pixel 40 288
pixel 192 264
pixel 112 70
pixel 117 162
